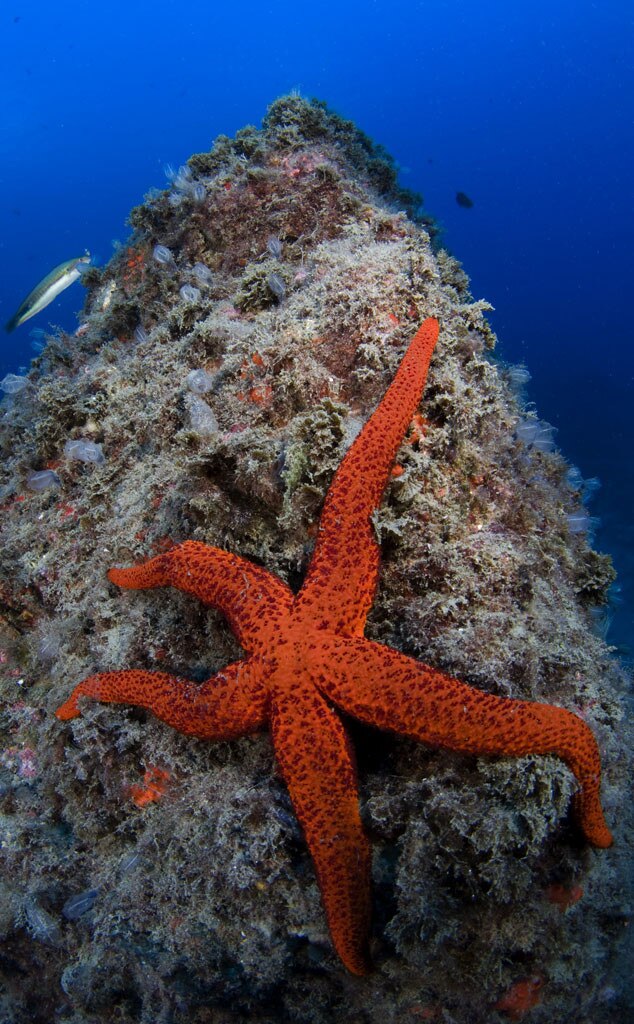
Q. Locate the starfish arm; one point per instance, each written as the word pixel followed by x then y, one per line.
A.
pixel 251 598
pixel 314 757
pixel 387 689
pixel 232 703
pixel 341 579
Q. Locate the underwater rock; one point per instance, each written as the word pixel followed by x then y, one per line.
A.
pixel 208 906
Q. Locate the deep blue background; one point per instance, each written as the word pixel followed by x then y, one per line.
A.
pixel 526 107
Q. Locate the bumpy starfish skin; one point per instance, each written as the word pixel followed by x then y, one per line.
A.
pixel 306 653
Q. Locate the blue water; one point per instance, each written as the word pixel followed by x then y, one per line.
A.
pixel 528 108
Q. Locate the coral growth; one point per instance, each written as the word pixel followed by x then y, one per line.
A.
pixel 200 903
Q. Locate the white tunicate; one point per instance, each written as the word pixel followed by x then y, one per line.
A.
pixel 12 384
pixel 519 376
pixel 183 184
pixel 162 254
pixel 202 418
pixel 581 522
pixel 536 434
pixel 277 286
pixel 80 904
pixel 48 648
pixel 189 293
pixel 590 487
pixel 42 479
pixel 38 336
pixel 202 273
pixel 140 334
pixel 578 522
pixel 544 440
pixel 183 178
pixel 600 622
pixel 526 430
pixel 587 487
pixel 199 381
pixel 43 926
pixel 274 246
pixel 84 451
pixel 129 862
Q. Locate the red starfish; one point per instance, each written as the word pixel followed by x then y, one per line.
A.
pixel 306 653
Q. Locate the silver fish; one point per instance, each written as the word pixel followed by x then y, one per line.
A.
pixel 48 289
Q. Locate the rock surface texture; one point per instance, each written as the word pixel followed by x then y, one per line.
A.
pixel 225 361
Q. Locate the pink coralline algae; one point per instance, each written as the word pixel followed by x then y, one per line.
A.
pixel 22 760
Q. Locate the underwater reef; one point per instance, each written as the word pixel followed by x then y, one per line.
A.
pixel 226 359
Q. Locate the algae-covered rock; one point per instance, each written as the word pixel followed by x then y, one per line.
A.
pixel 203 902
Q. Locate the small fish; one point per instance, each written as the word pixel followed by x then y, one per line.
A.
pixel 463 199
pixel 48 289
